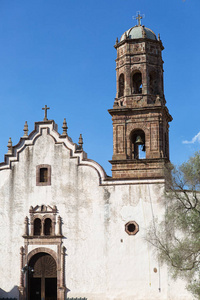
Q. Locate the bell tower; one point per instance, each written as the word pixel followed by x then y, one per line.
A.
pixel 139 114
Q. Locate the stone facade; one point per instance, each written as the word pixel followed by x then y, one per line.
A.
pixel 67 229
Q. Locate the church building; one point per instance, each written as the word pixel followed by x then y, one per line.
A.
pixel 69 231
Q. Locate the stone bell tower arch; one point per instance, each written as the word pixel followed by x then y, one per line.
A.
pixel 139 114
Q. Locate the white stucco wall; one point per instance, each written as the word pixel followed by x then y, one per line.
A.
pixel 102 260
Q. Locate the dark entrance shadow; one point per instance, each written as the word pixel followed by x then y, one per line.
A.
pixel 12 294
pixel 43 281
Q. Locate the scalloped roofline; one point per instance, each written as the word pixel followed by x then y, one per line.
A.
pixel 76 153
pixel 51 127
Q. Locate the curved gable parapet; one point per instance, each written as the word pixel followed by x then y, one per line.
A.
pixel 91 163
pixel 51 127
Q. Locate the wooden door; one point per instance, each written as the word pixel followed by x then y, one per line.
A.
pixel 43 284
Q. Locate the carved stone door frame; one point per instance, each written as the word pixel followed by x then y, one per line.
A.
pixel 59 258
pixel 42 240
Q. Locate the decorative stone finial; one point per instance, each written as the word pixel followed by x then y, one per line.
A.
pixel 10 149
pixel 116 41
pixel 143 32
pixel 45 112
pixel 64 127
pixel 159 37
pixel 25 130
pixel 55 208
pixel 158 100
pixel 80 141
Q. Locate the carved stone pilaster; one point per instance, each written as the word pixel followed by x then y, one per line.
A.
pixel 26 232
pixel 59 226
pixel 63 250
pixel 21 286
pixel 42 229
pixel 61 286
pixel 32 227
pixel 53 224
pixel 21 266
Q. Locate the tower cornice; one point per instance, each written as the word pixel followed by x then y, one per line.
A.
pixel 143 110
pixel 139 40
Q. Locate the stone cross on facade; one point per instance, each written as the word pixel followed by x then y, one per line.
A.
pixel 138 17
pixel 45 112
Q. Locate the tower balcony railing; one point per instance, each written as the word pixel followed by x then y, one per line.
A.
pixel 138 100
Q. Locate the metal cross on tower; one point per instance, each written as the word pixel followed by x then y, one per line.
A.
pixel 45 112
pixel 139 17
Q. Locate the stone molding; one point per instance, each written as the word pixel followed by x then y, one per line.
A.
pixel 59 258
pixel 42 213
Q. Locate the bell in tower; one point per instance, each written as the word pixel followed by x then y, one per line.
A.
pixel 140 116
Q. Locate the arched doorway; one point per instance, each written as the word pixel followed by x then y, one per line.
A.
pixel 43 281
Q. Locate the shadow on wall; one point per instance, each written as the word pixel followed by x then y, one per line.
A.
pixel 76 298
pixel 13 294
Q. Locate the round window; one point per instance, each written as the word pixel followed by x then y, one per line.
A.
pixel 131 228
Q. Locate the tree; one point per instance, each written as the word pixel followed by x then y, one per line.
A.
pixel 177 237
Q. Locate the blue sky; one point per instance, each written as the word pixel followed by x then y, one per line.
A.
pixel 60 53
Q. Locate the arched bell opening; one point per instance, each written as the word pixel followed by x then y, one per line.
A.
pixel 42 282
pixel 137 142
pixel 121 85
pixel 37 227
pixel 137 83
pixel 47 226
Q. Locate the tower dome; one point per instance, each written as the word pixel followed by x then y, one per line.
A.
pixel 138 32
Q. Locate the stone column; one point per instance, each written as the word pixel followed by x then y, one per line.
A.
pixel 59 226
pixel 62 275
pixel 53 224
pixel 26 233
pixel 21 286
pixel 42 227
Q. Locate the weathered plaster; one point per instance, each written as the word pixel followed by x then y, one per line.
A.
pixel 102 261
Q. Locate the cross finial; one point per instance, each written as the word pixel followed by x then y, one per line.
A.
pixel 45 112
pixel 138 18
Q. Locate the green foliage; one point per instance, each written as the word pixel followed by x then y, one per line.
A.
pixel 177 237
pixel 191 172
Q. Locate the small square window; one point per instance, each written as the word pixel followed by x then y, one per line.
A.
pixel 43 175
